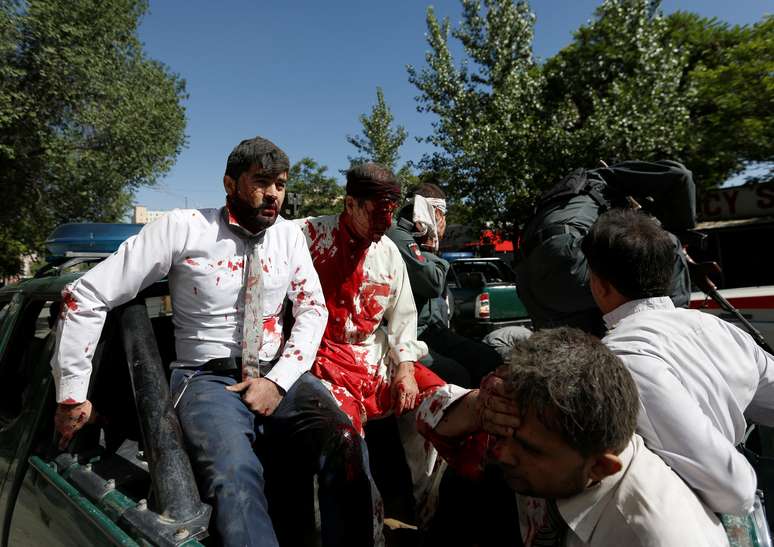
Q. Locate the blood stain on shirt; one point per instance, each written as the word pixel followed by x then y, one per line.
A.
pixel 270 324
pixel 69 303
pixel 190 261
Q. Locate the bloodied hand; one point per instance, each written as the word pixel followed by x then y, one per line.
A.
pixel 500 414
pixel 404 387
pixel 69 418
pixel 261 396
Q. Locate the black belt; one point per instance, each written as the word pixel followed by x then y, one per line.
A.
pixel 222 364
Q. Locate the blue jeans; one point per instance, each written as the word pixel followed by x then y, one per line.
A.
pixel 236 455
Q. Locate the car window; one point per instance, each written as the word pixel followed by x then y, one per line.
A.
pixel 494 271
pixel 25 348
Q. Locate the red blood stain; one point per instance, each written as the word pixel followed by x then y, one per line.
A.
pixel 298 269
pixel 265 268
pixel 69 303
pixel 435 406
pixel 234 266
pixel 270 324
pixel 217 281
pixel 349 296
pixel 69 401
pixel 297 352
pixel 191 261
pixel 220 262
pixel 301 296
pixel 287 355
pixel 86 349
pixel 401 350
pixel 300 357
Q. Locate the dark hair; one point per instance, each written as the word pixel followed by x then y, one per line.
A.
pixel 259 151
pixel 631 250
pixel 429 190
pixel 577 387
pixel 372 180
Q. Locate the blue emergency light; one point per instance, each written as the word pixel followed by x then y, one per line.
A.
pixel 94 239
pixel 454 255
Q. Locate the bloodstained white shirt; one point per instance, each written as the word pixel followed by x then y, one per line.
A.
pixel 205 261
pixel 698 376
pixel 643 505
pixel 383 294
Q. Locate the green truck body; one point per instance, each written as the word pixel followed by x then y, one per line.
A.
pixel 99 492
pixel 484 295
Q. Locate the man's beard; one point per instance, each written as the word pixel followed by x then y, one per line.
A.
pixel 249 217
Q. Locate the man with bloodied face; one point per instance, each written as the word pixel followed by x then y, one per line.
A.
pixel 369 351
pixel 257 424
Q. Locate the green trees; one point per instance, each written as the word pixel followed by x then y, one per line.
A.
pixel 85 117
pixel 488 108
pixel 619 85
pixel 729 71
pixel 379 142
pixel 632 84
pixel 320 193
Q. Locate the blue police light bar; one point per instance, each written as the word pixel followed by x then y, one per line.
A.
pixel 454 255
pixel 87 239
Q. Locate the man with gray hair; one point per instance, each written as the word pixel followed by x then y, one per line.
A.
pixel 561 429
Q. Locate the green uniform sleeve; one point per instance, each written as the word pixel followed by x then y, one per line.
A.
pixel 426 271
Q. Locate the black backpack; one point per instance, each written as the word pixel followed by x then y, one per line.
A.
pixel 553 277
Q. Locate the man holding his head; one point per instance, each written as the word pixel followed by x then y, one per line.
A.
pixel 564 439
pixel 699 377
pixel 239 385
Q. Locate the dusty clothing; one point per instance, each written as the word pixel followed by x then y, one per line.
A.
pixel 363 287
pixel 205 262
pixel 698 378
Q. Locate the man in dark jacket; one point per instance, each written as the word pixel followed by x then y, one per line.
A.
pixel 419 227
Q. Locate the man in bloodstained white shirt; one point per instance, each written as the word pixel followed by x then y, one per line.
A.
pixel 369 351
pixel 230 271
pixel 700 378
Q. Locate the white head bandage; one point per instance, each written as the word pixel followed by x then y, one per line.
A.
pixel 438 203
pixel 424 216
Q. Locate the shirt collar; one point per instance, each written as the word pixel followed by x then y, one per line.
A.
pixel 583 511
pixel 237 228
pixel 635 306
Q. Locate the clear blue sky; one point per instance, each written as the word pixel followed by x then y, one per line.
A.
pixel 301 72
